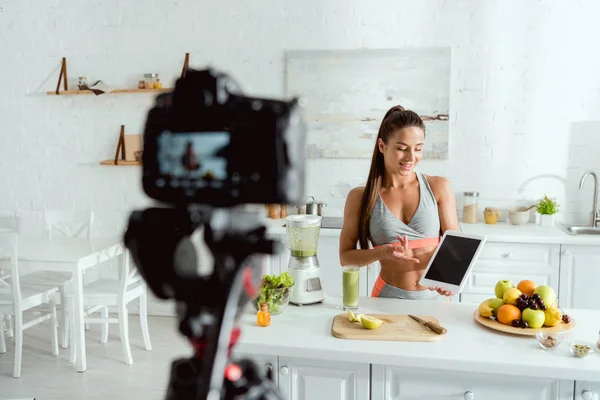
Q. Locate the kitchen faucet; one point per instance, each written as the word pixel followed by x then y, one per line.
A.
pixel 595 218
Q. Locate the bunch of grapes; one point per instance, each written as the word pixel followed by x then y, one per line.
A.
pixel 534 302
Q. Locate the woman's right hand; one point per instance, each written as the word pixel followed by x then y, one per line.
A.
pixel 396 252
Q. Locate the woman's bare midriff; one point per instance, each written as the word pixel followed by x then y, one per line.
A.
pixel 406 275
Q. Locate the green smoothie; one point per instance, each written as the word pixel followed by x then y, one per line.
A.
pixel 350 287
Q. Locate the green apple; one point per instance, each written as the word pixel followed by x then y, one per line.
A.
pixel 534 318
pixel 547 294
pixel 501 287
pixel 495 304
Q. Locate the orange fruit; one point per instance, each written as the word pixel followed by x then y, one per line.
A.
pixel 507 313
pixel 527 287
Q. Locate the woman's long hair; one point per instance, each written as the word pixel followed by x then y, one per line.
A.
pixel 395 119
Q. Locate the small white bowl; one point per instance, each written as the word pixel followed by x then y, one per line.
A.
pixel 518 215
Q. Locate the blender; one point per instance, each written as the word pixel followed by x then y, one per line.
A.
pixel 303 237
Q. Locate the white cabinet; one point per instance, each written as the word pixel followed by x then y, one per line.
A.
pixel 515 262
pixel 587 390
pixel 268 363
pixel 308 379
pixel 397 383
pixel 579 277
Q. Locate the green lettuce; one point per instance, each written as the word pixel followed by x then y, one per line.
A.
pixel 274 298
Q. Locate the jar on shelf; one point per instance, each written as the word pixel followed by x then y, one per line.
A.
pixel 470 208
pixel 82 83
pixel 150 80
pixel 158 84
pixel 141 85
pixel 490 215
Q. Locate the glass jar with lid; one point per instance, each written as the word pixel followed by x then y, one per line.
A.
pixel 470 208
pixel 150 80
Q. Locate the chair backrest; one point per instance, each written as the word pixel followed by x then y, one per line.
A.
pixel 9 222
pixel 68 223
pixel 8 252
pixel 129 273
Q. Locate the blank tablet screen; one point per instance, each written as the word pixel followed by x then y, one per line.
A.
pixel 453 259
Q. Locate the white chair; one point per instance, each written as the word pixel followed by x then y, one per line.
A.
pixel 66 224
pixel 102 293
pixel 9 222
pixel 18 298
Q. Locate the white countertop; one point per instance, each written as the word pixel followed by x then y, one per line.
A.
pixel 500 232
pixel 306 332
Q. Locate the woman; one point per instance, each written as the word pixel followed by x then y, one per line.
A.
pixel 400 211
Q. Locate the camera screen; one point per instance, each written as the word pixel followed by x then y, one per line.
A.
pixel 193 160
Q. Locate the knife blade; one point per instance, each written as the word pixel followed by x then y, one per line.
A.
pixel 440 330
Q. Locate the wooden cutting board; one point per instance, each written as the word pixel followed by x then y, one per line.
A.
pixel 395 327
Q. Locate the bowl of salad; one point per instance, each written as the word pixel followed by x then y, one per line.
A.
pixel 275 290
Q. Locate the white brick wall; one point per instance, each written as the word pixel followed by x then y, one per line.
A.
pixel 525 74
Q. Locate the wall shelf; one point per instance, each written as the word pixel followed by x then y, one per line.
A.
pixel 120 163
pixel 75 92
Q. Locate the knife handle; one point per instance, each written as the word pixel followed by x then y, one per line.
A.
pixel 440 330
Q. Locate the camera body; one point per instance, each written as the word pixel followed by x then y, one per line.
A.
pixel 205 144
pixel 207 149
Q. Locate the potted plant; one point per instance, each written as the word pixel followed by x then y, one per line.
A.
pixel 547 207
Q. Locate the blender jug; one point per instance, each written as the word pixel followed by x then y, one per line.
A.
pixel 303 234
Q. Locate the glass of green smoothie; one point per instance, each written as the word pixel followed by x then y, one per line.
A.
pixel 350 285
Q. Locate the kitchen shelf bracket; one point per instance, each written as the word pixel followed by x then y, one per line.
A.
pixel 62 76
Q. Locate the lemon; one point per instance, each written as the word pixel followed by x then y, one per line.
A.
pixel 359 317
pixel 370 322
pixel 351 316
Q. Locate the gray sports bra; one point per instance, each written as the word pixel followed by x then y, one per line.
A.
pixel 385 227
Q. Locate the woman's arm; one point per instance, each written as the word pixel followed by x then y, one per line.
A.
pixel 349 254
pixel 446 204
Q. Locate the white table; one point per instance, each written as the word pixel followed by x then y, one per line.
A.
pixel 73 255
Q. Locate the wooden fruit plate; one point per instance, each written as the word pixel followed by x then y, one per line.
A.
pixel 495 325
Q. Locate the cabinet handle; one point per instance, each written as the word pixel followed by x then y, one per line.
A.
pixel 284 370
pixel 469 395
pixel 269 366
pixel 567 253
pixel 587 395
pixel 506 255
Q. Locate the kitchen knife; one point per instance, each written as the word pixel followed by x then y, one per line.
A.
pixel 434 327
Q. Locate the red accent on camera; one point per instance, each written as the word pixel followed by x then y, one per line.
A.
pixel 233 372
pixel 249 287
pixel 200 345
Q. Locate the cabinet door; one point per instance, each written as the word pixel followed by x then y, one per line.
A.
pixel 579 277
pixel 268 363
pixel 515 262
pixel 273 262
pixel 397 383
pixel 308 379
pixel 587 390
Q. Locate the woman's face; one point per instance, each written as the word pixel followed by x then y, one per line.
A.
pixel 403 151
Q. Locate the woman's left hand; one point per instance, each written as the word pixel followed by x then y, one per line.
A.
pixel 442 291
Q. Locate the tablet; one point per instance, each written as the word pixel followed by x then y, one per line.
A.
pixel 453 261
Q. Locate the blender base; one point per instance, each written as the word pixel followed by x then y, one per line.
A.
pixel 307 288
